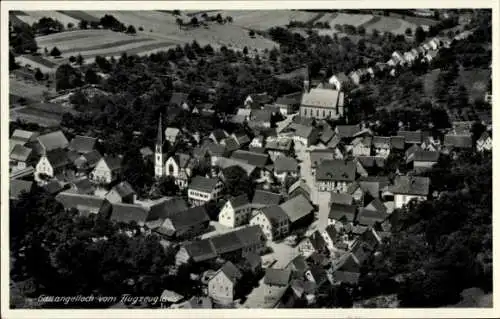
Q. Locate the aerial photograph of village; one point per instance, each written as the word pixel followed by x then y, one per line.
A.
pixel 243 159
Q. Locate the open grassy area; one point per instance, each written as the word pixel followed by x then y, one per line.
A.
pixel 80 15
pixel 264 20
pixel 388 24
pixel 64 19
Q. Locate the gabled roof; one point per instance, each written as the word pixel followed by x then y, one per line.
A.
pixel 18 186
pixel 92 157
pixel 279 144
pixel 381 142
pixel 261 116
pixel 326 134
pixel 458 141
pixel 410 185
pixel 370 217
pixel 239 201
pixel 201 250
pixel 83 185
pixel 23 136
pixel 338 211
pixel 82 144
pixel 20 153
pixel 286 164
pixel 371 161
pixel 331 231
pixel 242 138
pixel 317 241
pixel 231 144
pixel 341 198
pixel 275 214
pixel 172 132
pixel 219 134
pixel 126 213
pixel 252 158
pixel 426 156
pixel 336 170
pixel 178 98
pixel 277 277
pixel 290 99
pixel 203 184
pixel 231 272
pixel 79 201
pixel 398 142
pixel 123 189
pixel 183 160
pixel 190 217
pixel 365 141
pixel 298 264
pixel 113 162
pixel 251 259
pixel 57 158
pixel 299 184
pixel 262 198
pixel 411 136
pixel 297 207
pixel 52 141
pixel 166 208
pixel 319 155
pixel 373 184
pixel 249 235
pixel 226 163
pixel 319 274
pixel 347 131
pixel 317 97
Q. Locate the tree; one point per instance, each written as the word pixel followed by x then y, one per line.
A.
pixel 245 50
pixel 91 77
pixel 167 186
pixel 83 24
pixel 55 52
pixel 218 18
pixel 408 31
pixel 47 26
pixel 194 21
pixel 176 12
pixel 39 75
pixel 70 25
pixel 67 77
pixel 141 28
pixel 251 33
pixel 237 181
pixel 24 39
pixel 229 19
pixel 12 62
pixel 79 59
pixel 103 63
pixel 419 35
pixel 72 59
pixel 131 30
pixel 179 22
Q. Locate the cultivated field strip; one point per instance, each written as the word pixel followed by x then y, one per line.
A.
pixel 80 15
pixel 263 20
pixel 64 19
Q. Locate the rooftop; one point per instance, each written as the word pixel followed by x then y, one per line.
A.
pixel 286 164
pixel 52 141
pixel 82 144
pixel 277 277
pixel 263 198
pixel 411 185
pixel 252 158
pixel 297 208
pixel 203 184
pixel 326 98
pixel 336 170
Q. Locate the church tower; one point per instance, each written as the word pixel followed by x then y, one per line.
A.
pixel 307 79
pixel 159 162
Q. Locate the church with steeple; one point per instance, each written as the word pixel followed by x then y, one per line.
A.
pixel 159 154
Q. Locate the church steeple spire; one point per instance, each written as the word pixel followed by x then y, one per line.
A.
pixel 159 163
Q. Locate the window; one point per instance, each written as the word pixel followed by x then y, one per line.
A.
pixel 324 113
pixel 171 169
pixel 317 113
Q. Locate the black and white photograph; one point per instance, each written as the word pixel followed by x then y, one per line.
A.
pixel 226 158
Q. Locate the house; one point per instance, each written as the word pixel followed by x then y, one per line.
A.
pixel 431 144
pixel 317 275
pixel 225 164
pixel 356 77
pixel 237 243
pixel 322 103
pixel 317 156
pixel 342 198
pixel 242 115
pixel 372 214
pixel 218 135
pixel 260 118
pixel 169 297
pixel 314 243
pixel 127 213
pixel 147 153
pixel 326 134
pixel 180 100
pixel 18 187
pixel 85 204
pixel 121 193
pixel 256 101
pixel 412 137
pixel 262 198
pixel 424 160
pixel 277 277
pixel 51 163
pixel 257 141
pixel 330 235
pixel 172 134
pixel 202 190
pixel 51 141
pixel 484 142
pixel 251 263
pixel 398 58
pixel 300 187
pixel 20 157
pixel 373 185
pixel 406 188
pixel 299 211
pixel 82 144
pixel 222 287
pixel 163 209
pixel 23 137
pixel 82 186
pixel 430 56
pixel 409 57
pixel 185 224
pixel 235 212
pixel 397 143
pixel 87 161
pixel 273 221
pixel 242 139
pixel 306 135
pixel 279 147
pixel 259 160
pixel 335 175
pixel 341 213
pixel 370 164
pixel 461 142
pixel 180 166
pixel 284 167
pixel 410 153
pixel 288 103
pixel 107 170
pixel 347 131
pixel 339 80
pixel 361 146
pixel 382 146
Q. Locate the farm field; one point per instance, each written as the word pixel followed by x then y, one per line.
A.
pixel 34 16
pixel 80 15
pixel 388 24
pixel 42 63
pixel 26 89
pixel 346 18
pixel 263 20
